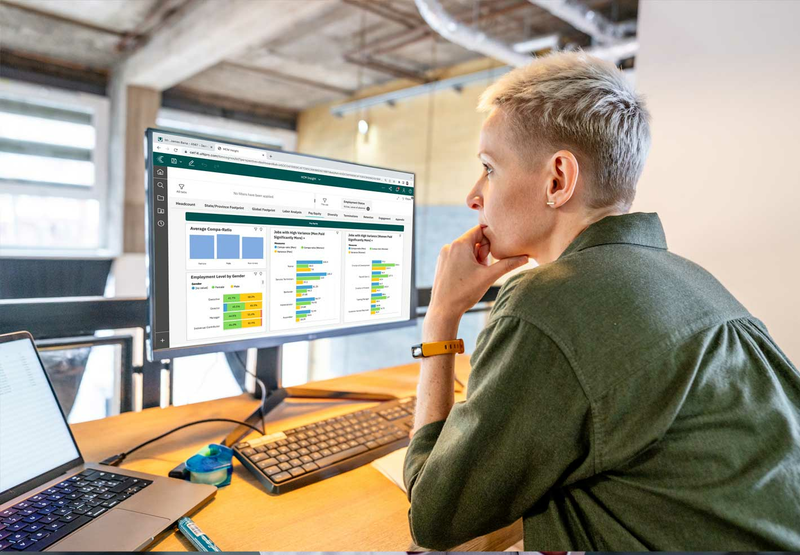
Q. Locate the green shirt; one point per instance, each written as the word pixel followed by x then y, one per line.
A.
pixel 620 400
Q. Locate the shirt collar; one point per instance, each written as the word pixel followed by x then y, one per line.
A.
pixel 640 228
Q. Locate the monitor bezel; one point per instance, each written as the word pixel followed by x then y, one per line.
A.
pixel 36 481
pixel 260 342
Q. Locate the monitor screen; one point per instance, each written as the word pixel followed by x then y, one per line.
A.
pixel 255 247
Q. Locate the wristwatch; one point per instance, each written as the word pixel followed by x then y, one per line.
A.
pixel 456 346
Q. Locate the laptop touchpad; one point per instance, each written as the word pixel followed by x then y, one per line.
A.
pixel 117 530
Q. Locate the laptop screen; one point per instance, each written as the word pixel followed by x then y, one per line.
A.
pixel 34 437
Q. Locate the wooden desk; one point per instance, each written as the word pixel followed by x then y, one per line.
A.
pixel 360 510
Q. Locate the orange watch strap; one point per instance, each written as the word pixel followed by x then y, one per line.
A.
pixel 456 346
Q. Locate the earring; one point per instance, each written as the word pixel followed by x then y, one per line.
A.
pixel 550 202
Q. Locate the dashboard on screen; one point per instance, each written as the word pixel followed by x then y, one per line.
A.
pixel 248 244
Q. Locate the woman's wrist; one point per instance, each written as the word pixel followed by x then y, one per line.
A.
pixel 439 326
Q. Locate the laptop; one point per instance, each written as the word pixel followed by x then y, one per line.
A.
pixel 50 499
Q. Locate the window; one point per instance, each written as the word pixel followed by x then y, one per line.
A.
pixel 53 171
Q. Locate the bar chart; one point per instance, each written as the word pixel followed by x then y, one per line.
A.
pixel 307 278
pixel 381 270
pixel 373 276
pixel 223 303
pixel 242 310
pixel 228 246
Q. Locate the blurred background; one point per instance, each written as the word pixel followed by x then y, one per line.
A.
pixel 390 83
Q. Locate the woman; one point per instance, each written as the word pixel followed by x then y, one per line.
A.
pixel 620 398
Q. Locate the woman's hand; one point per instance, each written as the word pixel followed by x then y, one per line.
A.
pixel 463 275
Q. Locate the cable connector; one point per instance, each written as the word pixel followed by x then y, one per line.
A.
pixel 114 460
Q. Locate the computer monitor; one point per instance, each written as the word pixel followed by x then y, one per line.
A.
pixel 251 247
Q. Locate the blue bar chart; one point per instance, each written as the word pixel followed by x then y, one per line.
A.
pixel 233 247
pixel 201 247
pixel 252 247
pixel 227 246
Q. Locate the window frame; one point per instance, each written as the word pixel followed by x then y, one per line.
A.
pixel 99 107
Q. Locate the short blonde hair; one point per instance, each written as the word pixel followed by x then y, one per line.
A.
pixel 586 105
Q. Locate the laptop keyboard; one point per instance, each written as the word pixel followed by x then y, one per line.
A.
pixel 52 514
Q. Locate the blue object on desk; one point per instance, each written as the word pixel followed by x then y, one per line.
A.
pixel 211 465
pixel 195 535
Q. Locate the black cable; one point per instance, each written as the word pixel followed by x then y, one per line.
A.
pixel 261 383
pixel 115 460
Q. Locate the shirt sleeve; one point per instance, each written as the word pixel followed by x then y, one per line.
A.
pixel 524 429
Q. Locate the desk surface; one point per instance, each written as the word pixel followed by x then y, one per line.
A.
pixel 360 510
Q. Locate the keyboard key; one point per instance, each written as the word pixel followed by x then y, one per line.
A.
pixel 5 544
pixel 40 535
pixel 297 471
pixel 12 519
pixel 22 505
pixel 108 504
pixel 273 453
pixel 32 518
pixel 280 477
pixel 261 449
pixel 284 466
pixel 16 527
pixel 53 526
pixel 27 512
pixel 340 456
pixel 8 512
pixel 258 457
pixel 68 518
pixel 19 536
pixel 308 467
pixel 249 451
pixel 372 445
pixel 22 544
pixel 95 512
pixel 35 527
pixel 271 470
pixel 4 534
pixel 282 458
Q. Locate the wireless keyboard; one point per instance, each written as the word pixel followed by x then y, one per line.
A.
pixel 290 459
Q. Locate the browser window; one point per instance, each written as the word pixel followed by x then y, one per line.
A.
pixel 250 242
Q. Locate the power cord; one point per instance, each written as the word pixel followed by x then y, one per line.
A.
pixel 115 460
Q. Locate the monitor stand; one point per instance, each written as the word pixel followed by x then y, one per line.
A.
pixel 268 369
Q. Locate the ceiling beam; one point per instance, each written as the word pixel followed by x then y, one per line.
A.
pixel 189 100
pixel 409 21
pixel 56 17
pixel 207 34
pixel 155 19
pixel 387 68
pixel 42 70
pixel 290 78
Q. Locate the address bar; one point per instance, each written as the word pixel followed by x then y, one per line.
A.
pixel 249 156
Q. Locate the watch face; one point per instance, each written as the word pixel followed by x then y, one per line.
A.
pixel 416 351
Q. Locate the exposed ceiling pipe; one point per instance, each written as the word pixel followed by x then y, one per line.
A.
pixel 537 43
pixel 446 25
pixel 454 31
pixel 584 19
